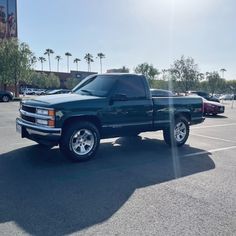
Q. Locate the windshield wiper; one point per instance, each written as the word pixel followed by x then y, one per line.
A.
pixel 87 91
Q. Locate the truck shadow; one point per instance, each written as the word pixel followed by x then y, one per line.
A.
pixel 216 116
pixel 45 194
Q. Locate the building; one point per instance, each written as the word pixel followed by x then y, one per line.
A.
pixel 8 19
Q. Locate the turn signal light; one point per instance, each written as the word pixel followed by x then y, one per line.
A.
pixel 51 123
pixel 51 112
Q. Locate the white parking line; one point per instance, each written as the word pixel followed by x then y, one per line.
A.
pixel 210 137
pixel 212 126
pixel 209 151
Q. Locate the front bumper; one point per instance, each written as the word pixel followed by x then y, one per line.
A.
pixel 38 133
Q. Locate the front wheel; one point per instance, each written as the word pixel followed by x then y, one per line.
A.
pixel 80 141
pixel 177 134
pixel 5 98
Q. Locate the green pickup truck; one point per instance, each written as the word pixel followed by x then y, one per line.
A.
pixel 105 106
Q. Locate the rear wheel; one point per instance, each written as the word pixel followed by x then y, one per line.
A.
pixel 80 141
pixel 5 98
pixel 177 134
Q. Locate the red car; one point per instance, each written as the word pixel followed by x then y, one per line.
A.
pixel 213 108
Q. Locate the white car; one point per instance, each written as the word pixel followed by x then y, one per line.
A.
pixel 226 97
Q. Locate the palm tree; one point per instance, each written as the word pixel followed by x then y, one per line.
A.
pixel 68 55
pixel 89 58
pixel 33 61
pixel 101 56
pixel 42 60
pixel 49 52
pixel 76 60
pixel 223 71
pixel 58 58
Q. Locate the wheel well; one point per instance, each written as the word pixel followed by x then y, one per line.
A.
pixel 93 119
pixel 184 114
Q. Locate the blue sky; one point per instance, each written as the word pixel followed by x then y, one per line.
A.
pixel 130 32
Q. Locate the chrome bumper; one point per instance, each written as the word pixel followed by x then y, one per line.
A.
pixel 28 130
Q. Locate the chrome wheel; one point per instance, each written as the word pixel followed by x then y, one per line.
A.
pixel 82 141
pixel 5 98
pixel 180 131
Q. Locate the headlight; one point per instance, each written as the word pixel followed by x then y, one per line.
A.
pixel 212 106
pixel 50 123
pixel 41 122
pixel 45 112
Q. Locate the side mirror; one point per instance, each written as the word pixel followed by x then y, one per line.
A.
pixel 119 97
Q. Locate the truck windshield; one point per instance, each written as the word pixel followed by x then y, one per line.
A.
pixel 99 85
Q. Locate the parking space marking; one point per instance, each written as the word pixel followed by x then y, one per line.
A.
pixel 210 137
pixel 209 151
pixel 213 126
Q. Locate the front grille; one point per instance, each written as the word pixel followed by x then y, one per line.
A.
pixel 29 109
pixel 28 118
pixel 29 114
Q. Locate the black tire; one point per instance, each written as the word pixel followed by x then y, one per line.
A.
pixel 85 136
pixel 173 139
pixel 5 98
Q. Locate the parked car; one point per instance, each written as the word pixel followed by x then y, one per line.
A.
pixel 58 91
pixel 28 91
pixel 205 95
pixel 6 96
pixel 105 106
pixel 161 93
pixel 213 108
pixel 226 97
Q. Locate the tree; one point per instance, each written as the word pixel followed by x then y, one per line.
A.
pixel 42 60
pixel 48 52
pixel 77 60
pixel 68 55
pixel 214 81
pixel 123 69
pixel 42 80
pixel 231 85
pixel 186 72
pixel 53 81
pixel 39 80
pixel 71 82
pixel 89 58
pixel 15 63
pixel 148 70
pixel 33 60
pixel 101 56
pixel 58 58
pixel 223 72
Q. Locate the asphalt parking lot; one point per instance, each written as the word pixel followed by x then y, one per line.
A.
pixel 136 186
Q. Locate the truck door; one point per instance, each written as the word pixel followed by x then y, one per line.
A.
pixel 133 112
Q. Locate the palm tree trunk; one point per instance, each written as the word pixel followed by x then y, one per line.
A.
pixel 41 66
pixel 77 66
pixel 49 62
pixel 101 64
pixel 68 64
pixel 57 65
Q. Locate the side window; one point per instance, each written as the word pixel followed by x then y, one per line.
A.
pixel 132 87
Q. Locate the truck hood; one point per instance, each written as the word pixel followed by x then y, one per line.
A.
pixel 51 100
